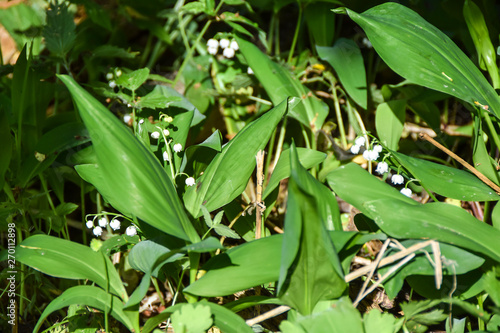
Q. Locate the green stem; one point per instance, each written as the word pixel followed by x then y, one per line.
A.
pixel 281 139
pixel 183 31
pixel 269 157
pixel 340 122
pixel 492 129
pixel 193 47
pixel 82 205
pixel 158 291
pixel 295 36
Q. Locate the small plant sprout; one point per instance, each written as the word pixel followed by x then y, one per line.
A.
pixel 155 135
pixel 224 43
pixel 103 222
pixel 397 179
pixel 166 157
pixel 97 231
pixel 190 181
pixel 112 84
pixel 115 224
pixel 382 167
pixel 131 231
pixel 406 191
pixel 177 147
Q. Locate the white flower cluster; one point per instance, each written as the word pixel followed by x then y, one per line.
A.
pixel 115 224
pixel 369 154
pixel 111 78
pixel 229 47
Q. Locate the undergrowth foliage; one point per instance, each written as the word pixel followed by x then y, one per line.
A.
pixel 250 166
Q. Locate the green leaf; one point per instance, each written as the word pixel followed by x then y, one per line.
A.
pixel 133 80
pixel 59 33
pixel 223 230
pixel 307 157
pixel 97 14
pixel 339 318
pixel 310 268
pixel 356 186
pixel 443 222
pixel 280 84
pixel 422 54
pixel 65 259
pixel 320 22
pixel 345 57
pixel 239 268
pixel 227 175
pixel 389 122
pixel 134 180
pixel 482 160
pixel 156 100
pixel 447 181
pixel 90 296
pixel 224 319
pixel 481 38
pixel 111 51
pixel 375 321
pixel 6 146
pixel 182 318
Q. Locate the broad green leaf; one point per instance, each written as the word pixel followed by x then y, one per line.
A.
pixel 320 22
pixel 356 186
pixel 389 122
pixel 136 183
pixel 156 100
pixel 182 318
pixel 424 55
pixel 455 261
pixel 224 319
pixel 239 268
pixel 375 321
pixel 59 32
pixel 280 84
pixel 339 318
pixel 440 221
pixel 98 14
pixel 481 38
pixel 223 230
pixel 90 296
pixel 70 260
pixel 447 181
pixel 227 175
pixel 19 19
pixel 133 80
pixel 307 157
pixel 345 57
pixel 310 268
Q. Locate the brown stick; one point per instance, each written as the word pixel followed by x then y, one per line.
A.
pixel 260 182
pixel 483 178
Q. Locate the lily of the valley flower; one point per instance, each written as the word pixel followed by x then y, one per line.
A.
pixel 165 156
pixel 355 149
pixel 224 43
pixel 112 84
pixel 155 135
pixel 397 180
pixel 228 52
pixel 382 168
pixel 89 224
pixel 190 181
pixel 370 155
pixel 102 222
pixel 177 147
pixel 166 132
pixel 377 148
pixel 97 231
pixel 406 191
pixel 360 141
pixel 131 231
pixel 115 224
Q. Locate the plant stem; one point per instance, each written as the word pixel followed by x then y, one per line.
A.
pixel 338 113
pixel 281 139
pixel 295 36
